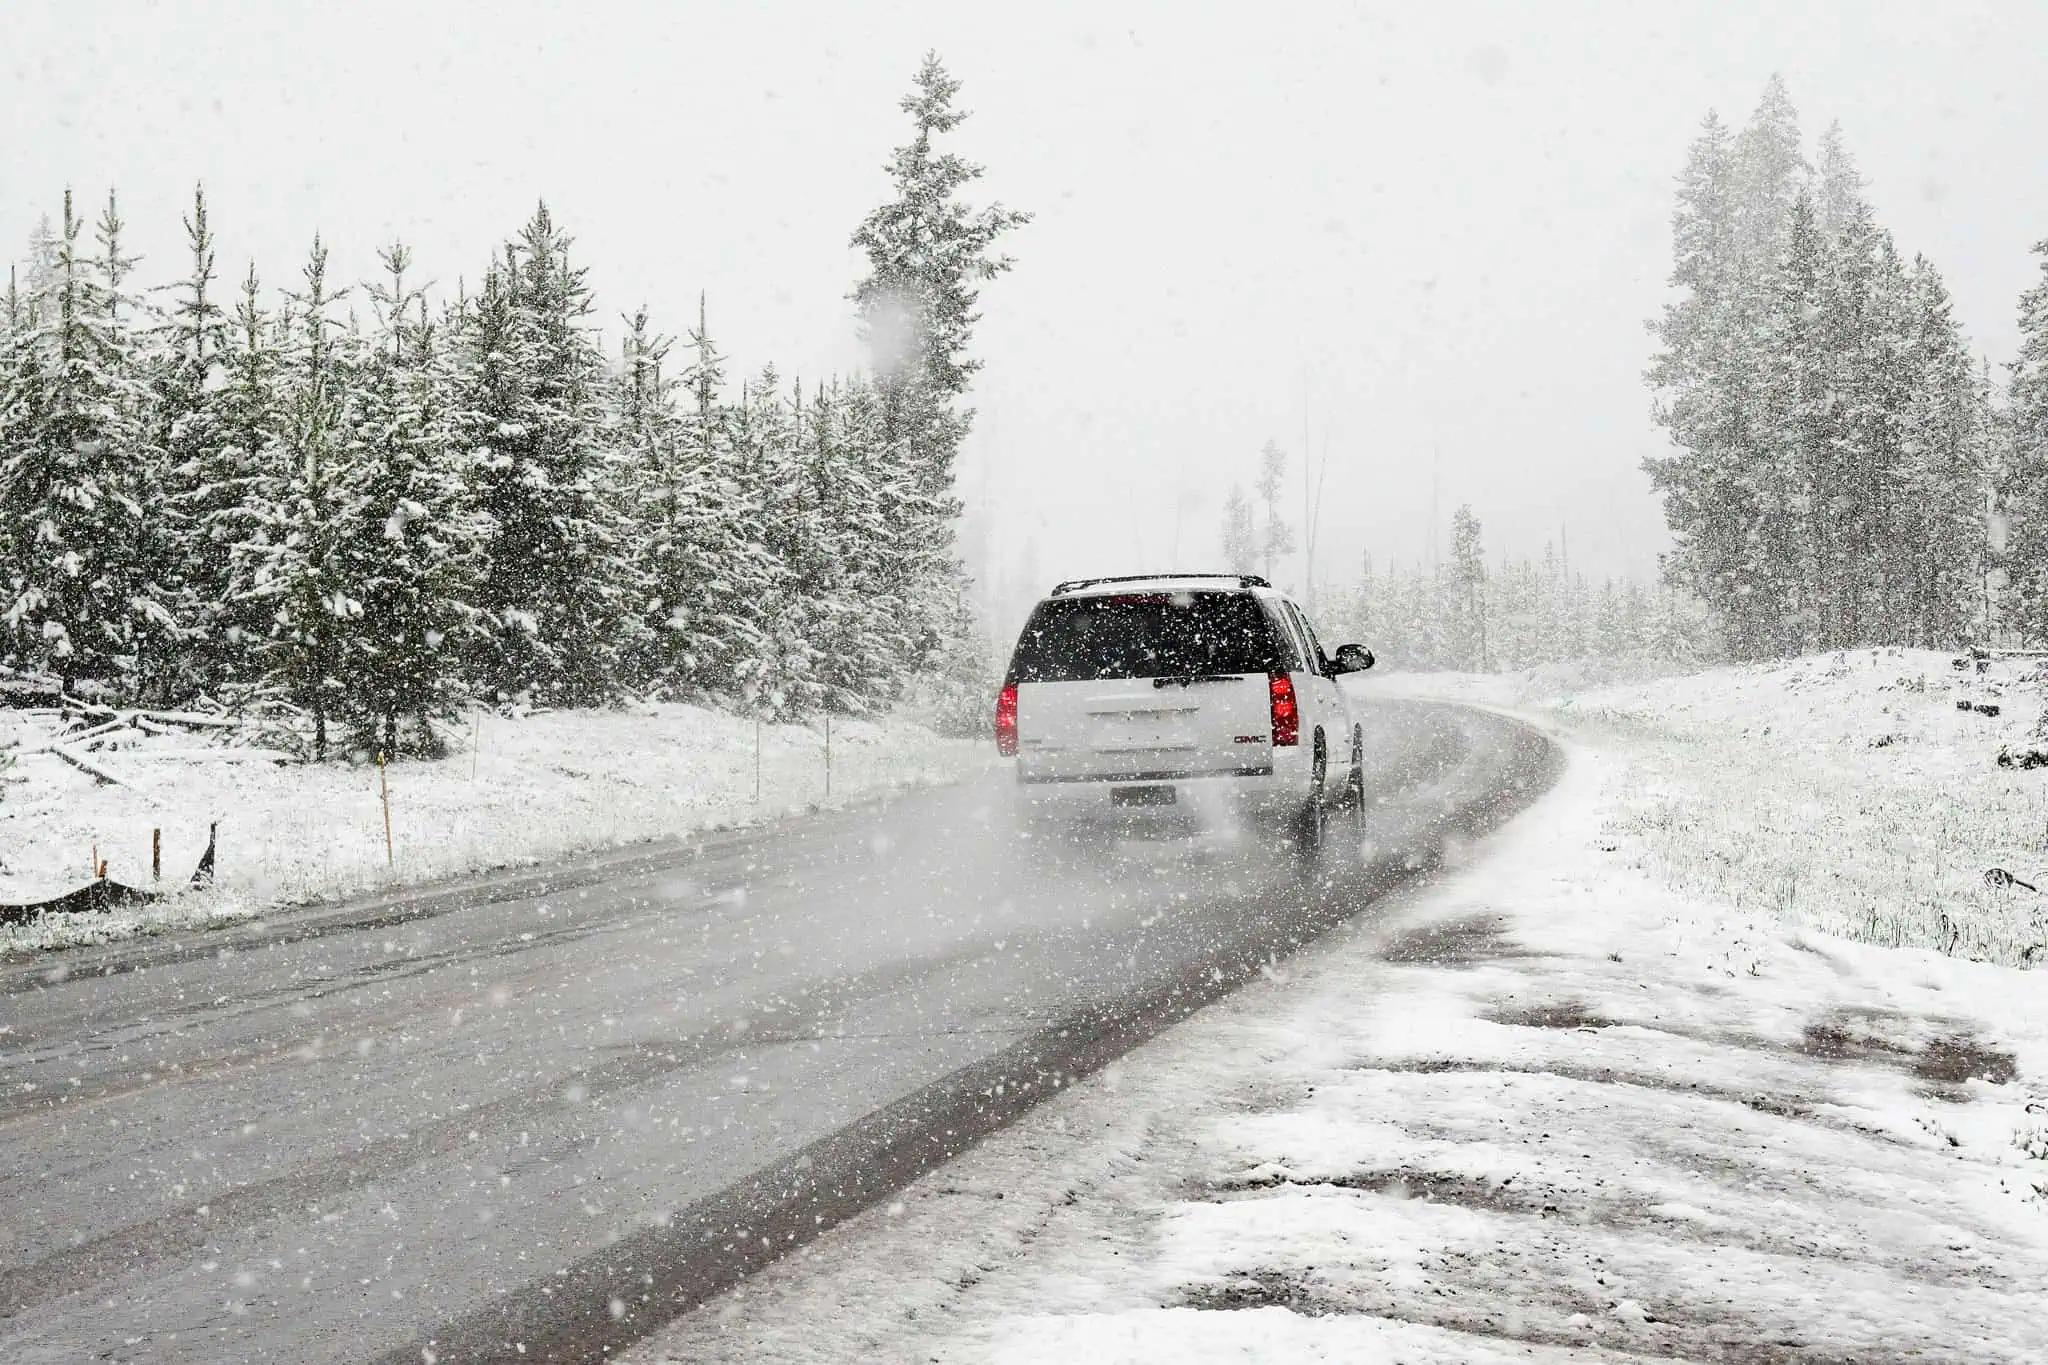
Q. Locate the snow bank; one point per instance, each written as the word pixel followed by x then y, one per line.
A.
pixel 534 787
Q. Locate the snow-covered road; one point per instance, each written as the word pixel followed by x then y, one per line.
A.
pixel 1544 1107
pixel 550 1110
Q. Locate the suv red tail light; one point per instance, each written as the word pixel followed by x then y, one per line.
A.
pixel 1286 715
pixel 1006 721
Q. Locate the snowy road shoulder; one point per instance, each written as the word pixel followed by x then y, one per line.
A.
pixel 524 790
pixel 1543 1109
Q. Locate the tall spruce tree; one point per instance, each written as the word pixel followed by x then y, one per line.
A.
pixel 928 251
pixel 185 425
pixel 779 676
pixel 1940 543
pixel 305 506
pixel 83 602
pixel 232 494
pixel 648 430
pixel 1702 377
pixel 695 569
pixel 558 620
pixel 2024 482
pixel 715 613
pixel 405 530
pixel 1278 538
pixel 1468 589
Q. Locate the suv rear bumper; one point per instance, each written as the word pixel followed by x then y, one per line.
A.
pixel 1025 779
pixel 1268 789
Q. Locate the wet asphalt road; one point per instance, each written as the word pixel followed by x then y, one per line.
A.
pixel 553 1110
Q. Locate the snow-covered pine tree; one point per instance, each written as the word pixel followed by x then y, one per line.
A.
pixel 153 626
pixel 1574 618
pixel 1768 173
pixel 1467 582
pixel 903 546
pixel 1240 534
pixel 836 567
pixel 406 527
pixel 1939 544
pixel 2025 484
pixel 650 439
pixel 1722 486
pixel 695 570
pixel 232 494
pixel 723 571
pixel 1699 377
pixel 1838 185
pixel 928 251
pixel 1868 315
pixel 558 614
pixel 21 417
pixel 300 575
pixel 1796 465
pixel 185 425
pixel 1511 615
pixel 83 602
pixel 1805 389
pixel 1549 604
pixel 779 678
pixel 43 267
pixel 1277 538
pixel 1610 623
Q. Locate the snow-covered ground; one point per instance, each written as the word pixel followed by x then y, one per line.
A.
pixel 1594 1094
pixel 534 787
pixel 1849 792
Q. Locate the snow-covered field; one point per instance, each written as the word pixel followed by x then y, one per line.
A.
pixel 1593 1095
pixel 1847 792
pixel 533 787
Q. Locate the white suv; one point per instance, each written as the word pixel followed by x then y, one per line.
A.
pixel 1205 691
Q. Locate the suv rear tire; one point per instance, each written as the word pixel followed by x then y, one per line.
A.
pixel 1310 833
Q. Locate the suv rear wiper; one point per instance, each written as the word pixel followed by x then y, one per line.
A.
pixel 1188 679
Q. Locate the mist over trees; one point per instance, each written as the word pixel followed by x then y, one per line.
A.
pixel 1472 616
pixel 1837 451
pixel 365 507
pixel 1254 539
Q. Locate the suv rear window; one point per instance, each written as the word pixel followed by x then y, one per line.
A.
pixel 1144 635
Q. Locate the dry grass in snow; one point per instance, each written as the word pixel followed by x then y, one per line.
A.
pixel 1845 792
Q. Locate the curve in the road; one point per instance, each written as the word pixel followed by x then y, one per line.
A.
pixel 503 1115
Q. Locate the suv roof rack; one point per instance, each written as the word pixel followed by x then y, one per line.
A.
pixel 1243 580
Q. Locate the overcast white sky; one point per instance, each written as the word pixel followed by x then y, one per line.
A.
pixel 1440 226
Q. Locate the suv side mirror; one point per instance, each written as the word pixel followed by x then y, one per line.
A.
pixel 1353 658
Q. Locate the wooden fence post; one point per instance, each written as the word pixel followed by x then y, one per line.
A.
pixel 384 792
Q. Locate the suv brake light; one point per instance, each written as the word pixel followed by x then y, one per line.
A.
pixel 1006 721
pixel 1286 715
